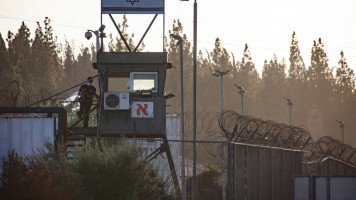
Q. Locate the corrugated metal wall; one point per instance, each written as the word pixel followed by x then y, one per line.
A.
pixel 265 173
pixel 25 134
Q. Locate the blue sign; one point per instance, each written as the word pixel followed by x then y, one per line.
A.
pixel 132 6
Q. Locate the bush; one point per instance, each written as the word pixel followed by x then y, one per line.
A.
pixel 209 184
pixel 39 177
pixel 113 171
pixel 117 172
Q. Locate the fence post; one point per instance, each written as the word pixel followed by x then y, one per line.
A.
pixel 271 173
pixel 259 172
pixel 282 185
pixel 231 172
pixel 246 172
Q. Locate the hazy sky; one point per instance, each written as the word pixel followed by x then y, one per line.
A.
pixel 265 25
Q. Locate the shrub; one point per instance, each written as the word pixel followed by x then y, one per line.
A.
pixel 39 177
pixel 117 172
pixel 209 184
pixel 114 171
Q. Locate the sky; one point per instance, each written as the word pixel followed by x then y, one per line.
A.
pixel 265 25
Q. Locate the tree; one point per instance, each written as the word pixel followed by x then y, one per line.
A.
pixel 345 79
pixel 297 67
pixel 320 83
pixel 4 59
pixel 45 57
pixel 84 67
pixel 69 64
pixel 117 44
pixel 19 50
pixel 220 57
pixel 296 82
pixel 319 72
pixel 173 75
pixel 248 78
pixel 345 95
pixel 273 89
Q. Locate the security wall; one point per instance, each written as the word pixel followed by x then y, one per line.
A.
pixel 265 173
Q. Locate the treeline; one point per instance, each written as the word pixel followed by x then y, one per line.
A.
pixel 34 68
pixel 321 93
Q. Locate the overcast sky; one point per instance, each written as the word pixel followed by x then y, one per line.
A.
pixel 265 25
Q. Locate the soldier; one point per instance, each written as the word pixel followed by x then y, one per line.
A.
pixel 87 92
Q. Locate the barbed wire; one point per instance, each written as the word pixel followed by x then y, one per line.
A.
pixel 328 147
pixel 246 129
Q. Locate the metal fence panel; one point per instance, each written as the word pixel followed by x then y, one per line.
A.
pixel 239 172
pixel 298 162
pixel 266 175
pixel 342 188
pixel 287 174
pixel 341 169
pixel 301 188
pixel 321 188
pixel 253 172
pixel 277 180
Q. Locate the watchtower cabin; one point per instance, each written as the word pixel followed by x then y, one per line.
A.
pixel 132 101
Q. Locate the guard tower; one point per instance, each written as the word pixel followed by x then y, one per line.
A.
pixel 131 84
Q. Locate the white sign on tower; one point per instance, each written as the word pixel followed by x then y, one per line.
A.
pixel 142 109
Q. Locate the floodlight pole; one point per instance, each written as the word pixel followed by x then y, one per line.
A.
pixel 182 116
pixel 223 138
pixel 241 92
pixel 232 177
pixel 342 130
pixel 342 126
pixel 290 104
pixel 180 43
pixel 218 73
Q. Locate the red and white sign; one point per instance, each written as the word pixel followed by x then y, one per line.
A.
pixel 142 109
